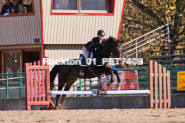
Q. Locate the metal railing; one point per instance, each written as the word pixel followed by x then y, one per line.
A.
pixel 145 41
pixel 143 80
pixel 13 81
pixel 14 84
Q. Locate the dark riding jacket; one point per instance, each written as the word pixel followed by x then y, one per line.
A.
pixel 6 7
pixel 95 47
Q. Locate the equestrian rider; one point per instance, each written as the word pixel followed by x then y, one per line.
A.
pixel 91 49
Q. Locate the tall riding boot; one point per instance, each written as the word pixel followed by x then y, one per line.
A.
pixel 82 65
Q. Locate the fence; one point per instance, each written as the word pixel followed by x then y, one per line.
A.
pixel 142 79
pixel 17 90
pixel 37 80
pixel 12 85
pixel 159 82
pixel 145 41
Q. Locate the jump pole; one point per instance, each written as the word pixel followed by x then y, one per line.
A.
pixel 100 92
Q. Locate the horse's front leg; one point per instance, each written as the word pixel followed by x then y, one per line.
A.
pixel 111 79
pixel 119 84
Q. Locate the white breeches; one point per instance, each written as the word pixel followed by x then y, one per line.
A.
pixel 86 53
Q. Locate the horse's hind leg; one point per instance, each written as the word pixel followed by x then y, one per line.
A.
pixel 62 79
pixel 67 87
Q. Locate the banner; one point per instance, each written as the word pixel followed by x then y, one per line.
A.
pixel 129 80
pixel 181 81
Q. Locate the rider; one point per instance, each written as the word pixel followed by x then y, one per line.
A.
pixel 93 47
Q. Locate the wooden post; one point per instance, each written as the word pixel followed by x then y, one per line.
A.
pixel 156 84
pixel 150 70
pixel 164 87
pixel 168 89
pixel 160 86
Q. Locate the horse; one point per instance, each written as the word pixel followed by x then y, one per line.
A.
pixel 68 74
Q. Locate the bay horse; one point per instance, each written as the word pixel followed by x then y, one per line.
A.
pixel 68 74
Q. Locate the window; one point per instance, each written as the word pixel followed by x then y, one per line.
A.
pixel 65 4
pixel 25 6
pixel 94 5
pixel 82 6
pixel 11 62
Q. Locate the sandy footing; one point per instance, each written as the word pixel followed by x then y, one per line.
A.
pixel 95 116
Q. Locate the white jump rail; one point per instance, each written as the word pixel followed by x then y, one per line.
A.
pixel 101 92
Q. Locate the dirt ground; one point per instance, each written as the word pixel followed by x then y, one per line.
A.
pixel 95 116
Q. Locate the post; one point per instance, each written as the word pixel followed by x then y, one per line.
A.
pixel 20 83
pixel 79 5
pixel 156 84
pixel 151 75
pixel 7 95
pixel 136 49
pixel 168 90
pixel 90 85
pixel 85 84
pixel 164 87
pixel 80 86
pixel 168 28
pixel 120 52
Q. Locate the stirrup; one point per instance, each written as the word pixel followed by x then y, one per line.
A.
pixel 81 73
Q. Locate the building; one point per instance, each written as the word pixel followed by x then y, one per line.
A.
pixel 55 29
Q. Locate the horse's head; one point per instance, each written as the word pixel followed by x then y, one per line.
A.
pixel 115 44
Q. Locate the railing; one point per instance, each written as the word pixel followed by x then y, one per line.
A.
pixel 142 79
pixel 145 41
pixel 17 80
pixel 11 81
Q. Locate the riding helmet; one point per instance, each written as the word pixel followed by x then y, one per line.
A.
pixel 101 32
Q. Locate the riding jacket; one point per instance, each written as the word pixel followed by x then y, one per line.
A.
pixel 6 7
pixel 95 47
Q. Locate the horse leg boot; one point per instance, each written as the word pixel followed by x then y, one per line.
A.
pixel 83 63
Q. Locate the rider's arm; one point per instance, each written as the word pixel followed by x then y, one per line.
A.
pixel 90 44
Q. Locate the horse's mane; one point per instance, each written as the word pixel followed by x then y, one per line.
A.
pixel 112 39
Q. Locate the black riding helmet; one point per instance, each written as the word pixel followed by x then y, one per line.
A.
pixel 101 32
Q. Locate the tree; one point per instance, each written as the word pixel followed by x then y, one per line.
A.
pixel 1 3
pixel 142 16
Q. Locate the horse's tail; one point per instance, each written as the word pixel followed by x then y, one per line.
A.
pixel 53 74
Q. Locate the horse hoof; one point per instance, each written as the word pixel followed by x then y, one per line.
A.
pixel 56 107
pixel 119 86
pixel 60 106
pixel 54 89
